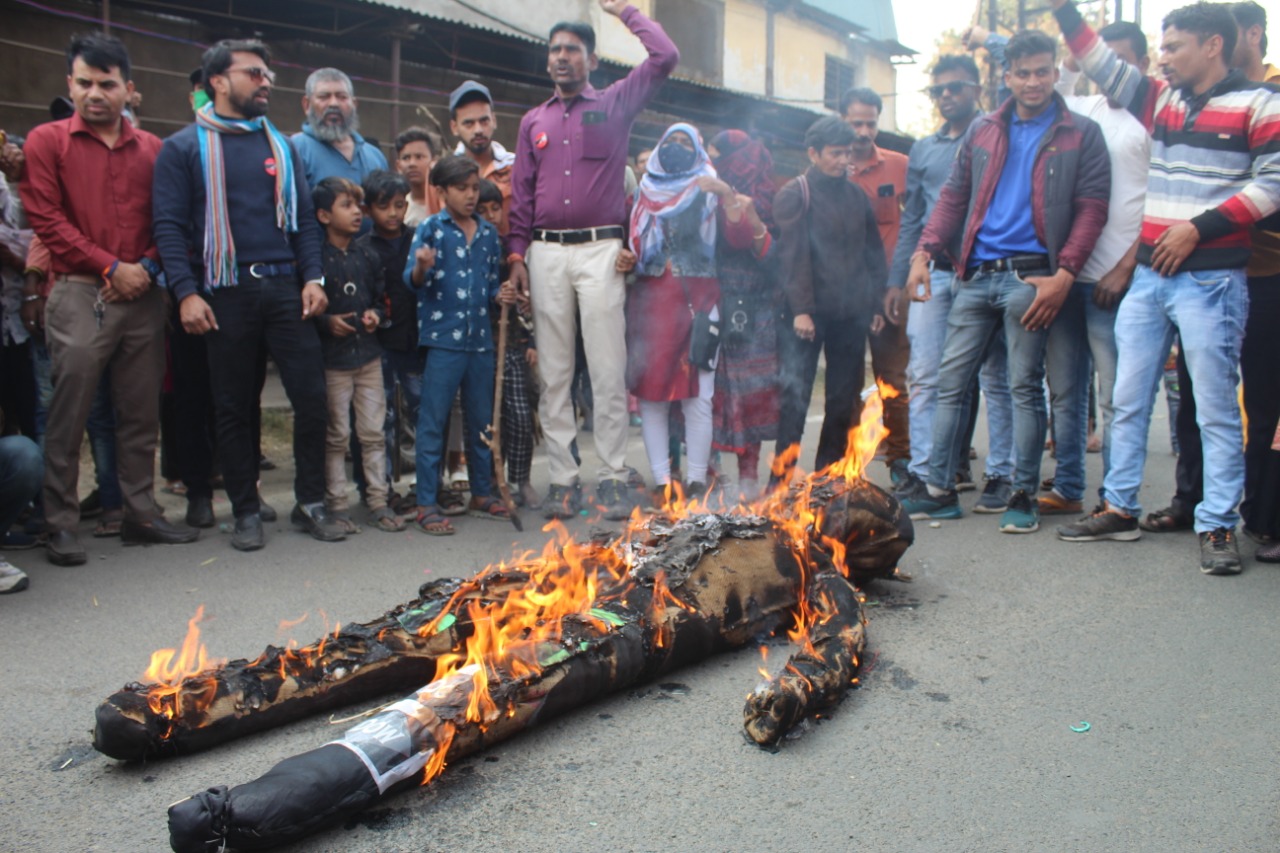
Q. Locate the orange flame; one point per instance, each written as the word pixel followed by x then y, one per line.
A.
pixel 175 670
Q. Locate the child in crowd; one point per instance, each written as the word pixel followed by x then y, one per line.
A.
pixel 453 265
pixel 352 354
pixel 386 199
pixel 416 152
pixel 518 404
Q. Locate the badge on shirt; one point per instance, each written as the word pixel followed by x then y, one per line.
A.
pixel 269 165
pixel 886 191
pixel 540 141
pixel 594 117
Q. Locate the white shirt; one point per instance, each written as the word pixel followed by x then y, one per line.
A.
pixel 1129 145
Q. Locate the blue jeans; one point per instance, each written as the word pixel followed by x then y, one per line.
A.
pixel 21 475
pixel 1208 308
pixel 101 426
pixel 927 331
pixel 444 372
pixel 980 308
pixel 1081 339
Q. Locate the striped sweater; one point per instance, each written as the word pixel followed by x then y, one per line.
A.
pixel 1215 158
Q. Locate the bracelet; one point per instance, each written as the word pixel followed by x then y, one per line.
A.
pixel 764 232
pixel 31 297
pixel 109 271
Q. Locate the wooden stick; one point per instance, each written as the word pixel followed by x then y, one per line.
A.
pixel 495 440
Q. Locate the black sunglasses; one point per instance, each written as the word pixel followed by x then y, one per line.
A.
pixel 955 87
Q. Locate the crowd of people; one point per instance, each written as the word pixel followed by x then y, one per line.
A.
pixel 1047 256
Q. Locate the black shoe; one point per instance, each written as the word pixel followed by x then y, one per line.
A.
pixel 1101 524
pixel 157 532
pixel 562 501
pixel 248 533
pixel 1219 554
pixel 911 487
pixel 64 549
pixel 267 512
pixel 995 495
pixel 616 499
pixel 200 512
pixel 317 522
pixel 91 506
pixel 964 480
pixel 265 464
pixel 899 473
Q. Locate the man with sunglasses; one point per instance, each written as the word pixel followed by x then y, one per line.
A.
pixel 955 90
pixel 235 226
pixel 1027 198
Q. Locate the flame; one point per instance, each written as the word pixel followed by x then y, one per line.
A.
pixel 175 670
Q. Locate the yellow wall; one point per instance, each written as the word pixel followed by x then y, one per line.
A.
pixel 745 40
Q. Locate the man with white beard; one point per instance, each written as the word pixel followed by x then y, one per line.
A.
pixel 329 144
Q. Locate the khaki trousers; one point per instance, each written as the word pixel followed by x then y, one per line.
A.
pixel 562 278
pixel 362 389
pixel 130 344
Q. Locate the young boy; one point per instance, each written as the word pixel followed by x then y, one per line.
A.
pixel 453 264
pixel 517 397
pixel 386 200
pixel 352 354
pixel 416 152
pixel 834 266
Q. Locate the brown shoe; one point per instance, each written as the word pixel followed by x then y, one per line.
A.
pixel 1053 503
pixel 1167 520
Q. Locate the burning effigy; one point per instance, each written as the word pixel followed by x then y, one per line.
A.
pixel 524 641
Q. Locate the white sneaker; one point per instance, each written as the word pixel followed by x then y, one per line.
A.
pixel 12 579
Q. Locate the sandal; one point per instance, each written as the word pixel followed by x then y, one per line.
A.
pixel 386 520
pixel 432 522
pixel 109 525
pixel 451 503
pixel 344 522
pixel 488 507
pixel 1166 520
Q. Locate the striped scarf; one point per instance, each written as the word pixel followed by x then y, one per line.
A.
pixel 219 249
pixel 664 195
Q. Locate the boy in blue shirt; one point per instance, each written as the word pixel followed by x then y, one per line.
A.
pixel 453 265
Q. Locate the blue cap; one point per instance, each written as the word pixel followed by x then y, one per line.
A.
pixel 470 87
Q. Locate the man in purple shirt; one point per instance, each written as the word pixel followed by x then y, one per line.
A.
pixel 567 214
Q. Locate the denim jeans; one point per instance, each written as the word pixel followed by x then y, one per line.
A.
pixel 101 426
pixel 1081 339
pixel 21 473
pixel 446 371
pixel 980 308
pixel 1208 308
pixel 927 331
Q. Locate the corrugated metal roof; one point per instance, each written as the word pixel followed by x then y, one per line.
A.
pixel 875 16
pixel 460 12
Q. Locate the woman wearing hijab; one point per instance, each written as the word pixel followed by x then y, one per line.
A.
pixel 746 399
pixel 679 209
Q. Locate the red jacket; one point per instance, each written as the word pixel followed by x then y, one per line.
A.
pixel 1070 188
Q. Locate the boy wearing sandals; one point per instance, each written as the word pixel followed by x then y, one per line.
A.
pixel 453 266
pixel 352 354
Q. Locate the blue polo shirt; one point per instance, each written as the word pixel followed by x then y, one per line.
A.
pixel 1007 229
pixel 321 160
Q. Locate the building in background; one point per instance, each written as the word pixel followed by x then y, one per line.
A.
pixel 765 66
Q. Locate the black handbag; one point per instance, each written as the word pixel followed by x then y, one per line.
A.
pixel 704 335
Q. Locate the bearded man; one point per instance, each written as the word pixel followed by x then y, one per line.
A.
pixel 329 144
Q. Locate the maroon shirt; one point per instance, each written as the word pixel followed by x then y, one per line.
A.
pixel 570 154
pixel 90 204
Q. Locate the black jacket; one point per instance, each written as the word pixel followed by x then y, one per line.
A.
pixel 353 283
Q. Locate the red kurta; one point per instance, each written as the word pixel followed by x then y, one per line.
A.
pixel 659 327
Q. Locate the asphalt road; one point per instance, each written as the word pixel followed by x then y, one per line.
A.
pixel 959 739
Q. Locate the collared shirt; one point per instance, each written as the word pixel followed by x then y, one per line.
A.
pixel 90 204
pixel 1008 228
pixel 321 160
pixel 415 213
pixel 928 166
pixel 884 180
pixel 570 154
pixel 455 294
pixel 1129 147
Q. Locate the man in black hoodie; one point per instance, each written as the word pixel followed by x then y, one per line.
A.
pixel 834 269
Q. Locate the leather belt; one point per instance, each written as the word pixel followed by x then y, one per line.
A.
pixel 1016 263
pixel 581 235
pixel 261 270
